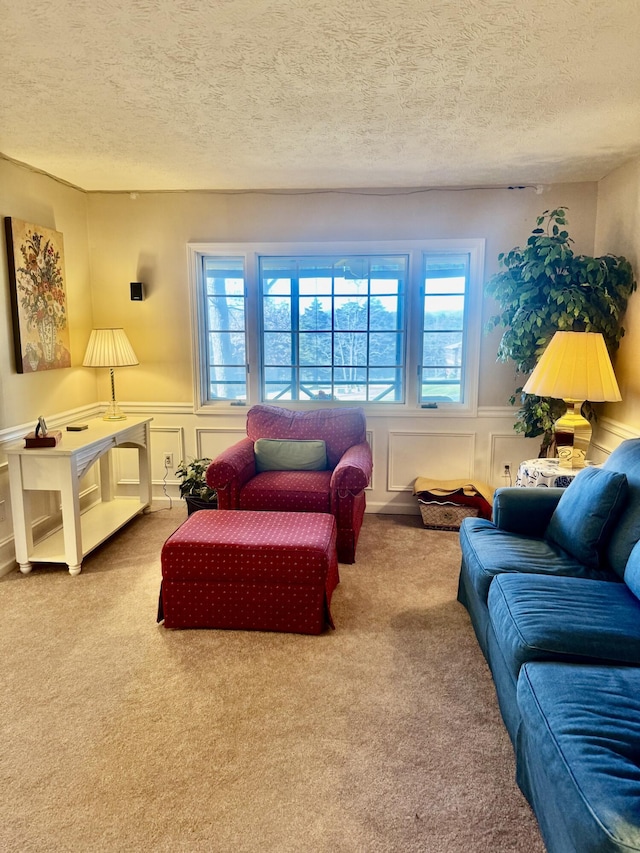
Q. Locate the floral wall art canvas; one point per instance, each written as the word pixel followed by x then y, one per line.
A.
pixel 38 296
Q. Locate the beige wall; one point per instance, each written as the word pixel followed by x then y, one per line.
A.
pixel 36 198
pixel 112 239
pixel 144 239
pixel 618 232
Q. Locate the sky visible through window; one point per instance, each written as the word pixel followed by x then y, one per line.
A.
pixel 335 328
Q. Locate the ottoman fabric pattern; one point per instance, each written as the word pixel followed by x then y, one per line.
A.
pixel 268 571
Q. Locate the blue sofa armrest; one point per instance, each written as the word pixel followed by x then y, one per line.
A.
pixel 524 511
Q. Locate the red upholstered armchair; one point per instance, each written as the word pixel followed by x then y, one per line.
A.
pixel 338 490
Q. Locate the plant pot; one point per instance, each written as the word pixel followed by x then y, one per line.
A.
pixel 195 504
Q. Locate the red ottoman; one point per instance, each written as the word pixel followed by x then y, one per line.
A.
pixel 262 571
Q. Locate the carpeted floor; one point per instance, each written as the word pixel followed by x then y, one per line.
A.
pixel 383 735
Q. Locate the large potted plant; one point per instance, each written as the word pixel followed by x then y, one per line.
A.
pixel 545 287
pixel 193 485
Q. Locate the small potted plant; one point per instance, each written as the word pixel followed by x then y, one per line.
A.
pixel 193 485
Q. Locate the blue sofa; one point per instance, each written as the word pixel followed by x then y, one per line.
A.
pixel 552 587
pixel 578 755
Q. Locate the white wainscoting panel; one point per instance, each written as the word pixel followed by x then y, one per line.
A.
pixel 166 439
pixel 211 442
pixel 428 454
pixel 607 435
pixel 509 448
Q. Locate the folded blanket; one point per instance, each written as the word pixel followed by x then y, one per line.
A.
pixel 444 488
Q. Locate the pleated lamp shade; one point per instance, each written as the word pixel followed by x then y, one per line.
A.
pixel 109 348
pixel 574 367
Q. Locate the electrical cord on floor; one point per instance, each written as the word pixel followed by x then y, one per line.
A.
pixel 166 494
pixel 164 485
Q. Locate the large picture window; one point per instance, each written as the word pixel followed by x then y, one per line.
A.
pixel 333 328
pixel 387 324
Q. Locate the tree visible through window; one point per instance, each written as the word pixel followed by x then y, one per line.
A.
pixel 443 329
pixel 225 323
pixel 394 323
pixel 333 328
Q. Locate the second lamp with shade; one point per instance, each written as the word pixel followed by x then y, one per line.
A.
pixel 574 367
pixel 110 348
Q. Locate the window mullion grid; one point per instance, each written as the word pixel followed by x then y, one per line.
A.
pixel 333 336
pixel 368 349
pixel 412 338
pixel 295 334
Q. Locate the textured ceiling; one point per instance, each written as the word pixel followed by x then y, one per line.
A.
pixel 233 94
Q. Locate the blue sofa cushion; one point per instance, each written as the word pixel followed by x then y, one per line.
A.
pixel 625 458
pixel 490 551
pixel 540 618
pixel 578 755
pixel 535 617
pixel 586 512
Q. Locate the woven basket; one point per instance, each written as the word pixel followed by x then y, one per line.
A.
pixel 444 515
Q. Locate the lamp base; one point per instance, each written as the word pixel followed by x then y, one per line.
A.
pixel 114 413
pixel 573 436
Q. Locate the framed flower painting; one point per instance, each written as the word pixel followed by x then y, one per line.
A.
pixel 38 296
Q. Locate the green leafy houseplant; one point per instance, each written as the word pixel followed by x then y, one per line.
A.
pixel 543 288
pixel 193 484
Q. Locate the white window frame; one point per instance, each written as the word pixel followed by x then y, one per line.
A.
pixel 415 249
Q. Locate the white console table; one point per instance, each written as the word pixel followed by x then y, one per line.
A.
pixel 59 469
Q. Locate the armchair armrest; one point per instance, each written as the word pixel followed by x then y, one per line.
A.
pixel 525 511
pixel 230 471
pixel 353 472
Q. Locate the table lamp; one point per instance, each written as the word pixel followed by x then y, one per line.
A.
pixel 574 367
pixel 110 348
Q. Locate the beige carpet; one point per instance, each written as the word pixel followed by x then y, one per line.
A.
pixel 383 735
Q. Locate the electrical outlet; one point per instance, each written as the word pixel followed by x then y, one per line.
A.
pixel 168 460
pixel 3 514
pixel 506 470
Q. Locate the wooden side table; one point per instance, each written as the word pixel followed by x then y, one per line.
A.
pixel 60 469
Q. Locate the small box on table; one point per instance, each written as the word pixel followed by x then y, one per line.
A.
pixel 51 439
